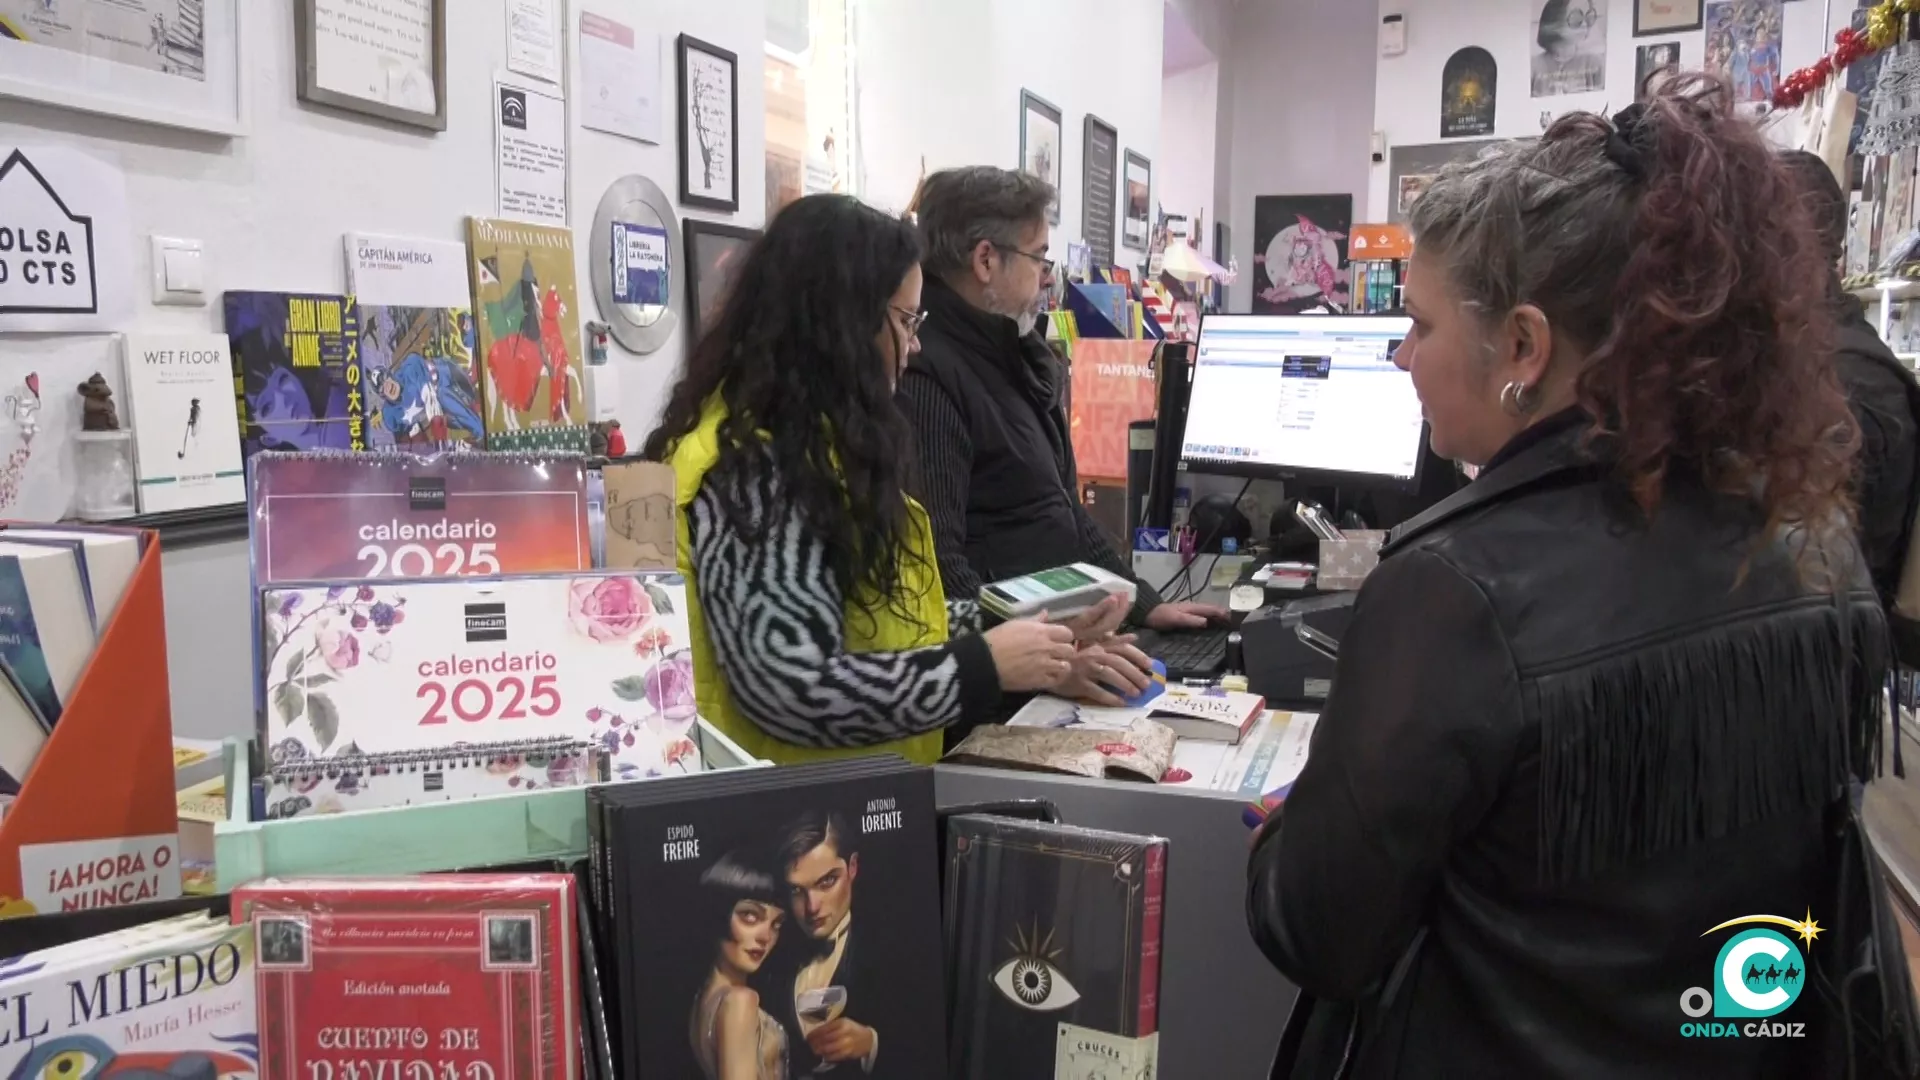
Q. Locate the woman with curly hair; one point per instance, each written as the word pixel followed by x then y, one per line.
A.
pixel 1597 703
pixel 819 624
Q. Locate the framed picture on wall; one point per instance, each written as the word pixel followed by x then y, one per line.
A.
pixel 388 61
pixel 174 63
pixel 1667 16
pixel 1099 166
pixel 714 255
pixel 1139 196
pixel 1041 149
pixel 1300 254
pixel 709 126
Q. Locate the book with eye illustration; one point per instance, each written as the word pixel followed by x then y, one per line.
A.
pixel 1053 949
pixel 355 670
pixel 299 786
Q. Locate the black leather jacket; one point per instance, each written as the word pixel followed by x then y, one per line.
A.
pixel 1563 744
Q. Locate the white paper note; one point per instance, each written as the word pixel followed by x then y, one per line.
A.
pixel 377 50
pixel 530 139
pixel 407 271
pixel 533 38
pixel 619 78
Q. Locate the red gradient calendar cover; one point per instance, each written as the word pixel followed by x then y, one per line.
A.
pixel 463 976
pixel 333 516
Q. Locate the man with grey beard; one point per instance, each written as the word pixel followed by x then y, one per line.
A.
pixel 985 396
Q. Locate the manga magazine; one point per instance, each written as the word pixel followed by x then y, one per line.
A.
pixel 417 371
pixel 528 331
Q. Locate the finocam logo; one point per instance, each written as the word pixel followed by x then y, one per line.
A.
pixel 1758 974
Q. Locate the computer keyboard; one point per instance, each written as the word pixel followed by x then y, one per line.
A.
pixel 1189 653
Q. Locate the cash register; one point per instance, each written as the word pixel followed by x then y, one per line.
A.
pixel 1316 402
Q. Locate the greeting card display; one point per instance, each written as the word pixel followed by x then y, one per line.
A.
pixel 322 516
pixel 459 975
pixel 358 671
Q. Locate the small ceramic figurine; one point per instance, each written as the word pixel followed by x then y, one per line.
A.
pixel 96 409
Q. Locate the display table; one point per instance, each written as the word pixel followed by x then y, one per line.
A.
pixel 1222 1006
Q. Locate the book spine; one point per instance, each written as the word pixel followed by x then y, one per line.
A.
pixel 1150 930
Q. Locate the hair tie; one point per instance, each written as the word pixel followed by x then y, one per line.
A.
pixel 1630 143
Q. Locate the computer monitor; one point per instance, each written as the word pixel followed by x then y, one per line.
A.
pixel 1314 398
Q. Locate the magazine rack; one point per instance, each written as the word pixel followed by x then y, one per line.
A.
pixel 498 830
pixel 101 791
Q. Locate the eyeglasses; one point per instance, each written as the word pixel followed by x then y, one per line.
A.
pixel 1040 258
pixel 1581 18
pixel 911 321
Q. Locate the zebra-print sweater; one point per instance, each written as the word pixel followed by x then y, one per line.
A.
pixel 775 617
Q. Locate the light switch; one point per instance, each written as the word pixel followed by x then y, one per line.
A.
pixel 183 271
pixel 179 272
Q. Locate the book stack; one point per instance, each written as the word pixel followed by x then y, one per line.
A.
pixel 771 922
pixel 1053 949
pixel 59 588
pixel 173 998
pixel 460 975
pixel 430 629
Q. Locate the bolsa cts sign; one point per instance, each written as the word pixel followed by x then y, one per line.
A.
pixel 63 229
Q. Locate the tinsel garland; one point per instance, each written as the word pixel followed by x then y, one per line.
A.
pixel 1883 30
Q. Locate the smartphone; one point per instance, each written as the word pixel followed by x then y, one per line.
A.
pixel 1061 592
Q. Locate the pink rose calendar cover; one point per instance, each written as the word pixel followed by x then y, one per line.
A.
pixel 365 670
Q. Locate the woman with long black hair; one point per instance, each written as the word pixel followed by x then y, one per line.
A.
pixel 819 623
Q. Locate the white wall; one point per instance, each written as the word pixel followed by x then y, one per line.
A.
pixel 1297 109
pixel 1408 88
pixel 941 80
pixel 1189 109
pixel 271 208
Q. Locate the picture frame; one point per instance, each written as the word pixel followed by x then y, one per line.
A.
pixel 1668 16
pixel 709 125
pixel 1136 192
pixel 193 83
pixel 1099 187
pixel 1042 145
pixel 406 102
pixel 710 245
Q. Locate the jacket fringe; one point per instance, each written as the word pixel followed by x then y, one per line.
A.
pixel 1682 742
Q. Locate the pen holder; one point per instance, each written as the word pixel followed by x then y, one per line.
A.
pixel 1344 564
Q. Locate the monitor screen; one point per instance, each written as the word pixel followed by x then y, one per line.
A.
pixel 1289 395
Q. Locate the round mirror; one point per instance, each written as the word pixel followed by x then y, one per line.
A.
pixel 634 257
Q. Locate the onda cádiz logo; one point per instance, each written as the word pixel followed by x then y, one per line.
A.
pixel 1758 974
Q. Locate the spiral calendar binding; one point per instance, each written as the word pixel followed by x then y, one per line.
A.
pixel 437 759
pixel 407 777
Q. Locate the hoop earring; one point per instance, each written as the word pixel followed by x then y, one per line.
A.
pixel 1517 399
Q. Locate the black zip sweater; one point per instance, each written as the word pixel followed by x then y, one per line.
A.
pixel 996 468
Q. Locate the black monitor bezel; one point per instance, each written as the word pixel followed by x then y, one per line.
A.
pixel 1289 474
